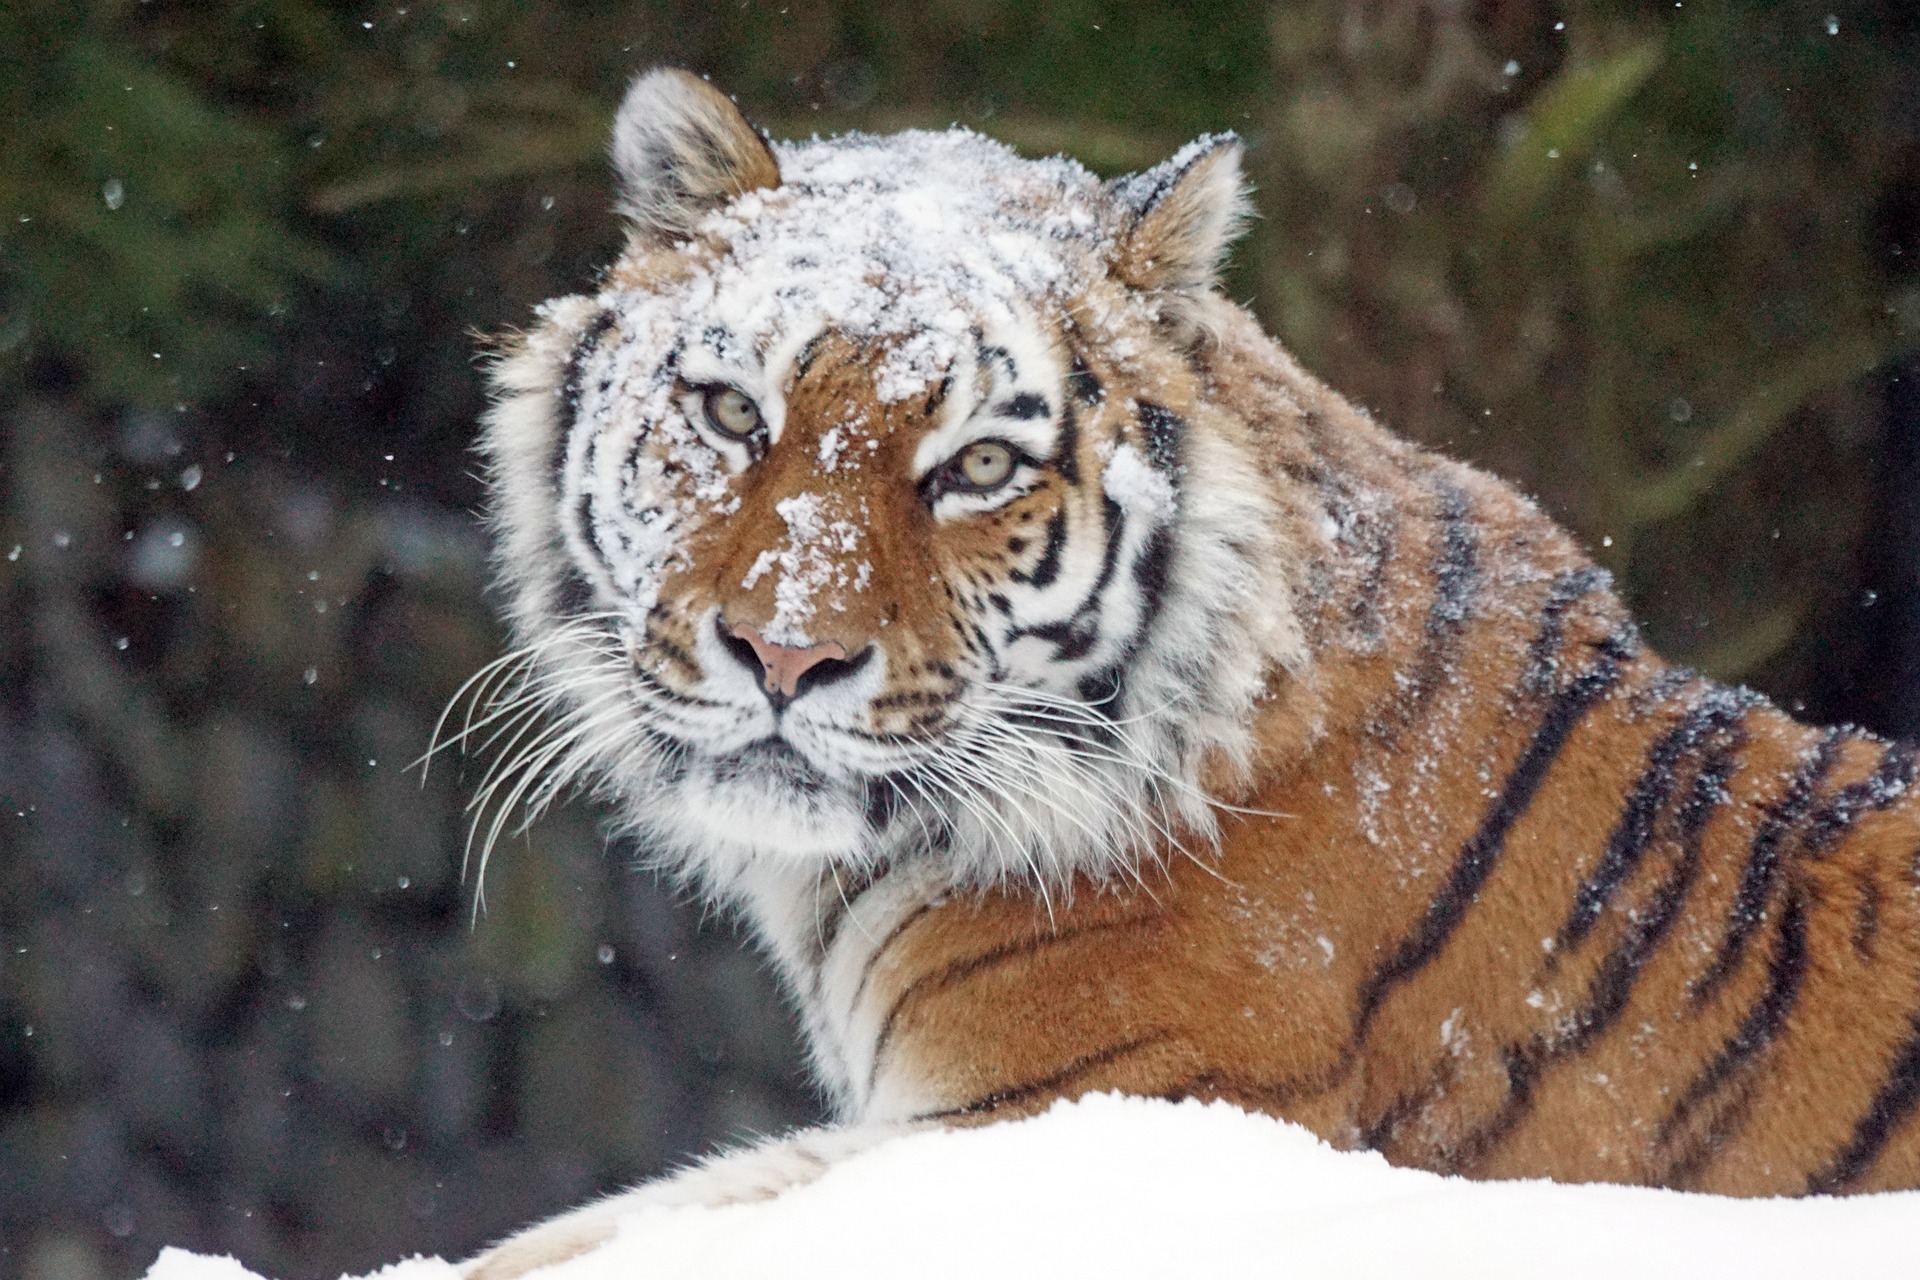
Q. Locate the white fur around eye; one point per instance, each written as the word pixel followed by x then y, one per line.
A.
pixel 951 503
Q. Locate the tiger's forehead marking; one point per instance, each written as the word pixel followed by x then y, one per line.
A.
pixel 913 242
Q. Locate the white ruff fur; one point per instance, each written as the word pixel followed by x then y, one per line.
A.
pixel 948 261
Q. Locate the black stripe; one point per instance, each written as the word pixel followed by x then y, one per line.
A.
pixel 1048 569
pixel 1072 640
pixel 960 971
pixel 1165 435
pixel 1376 535
pixel 675 653
pixel 1786 972
pixel 913 698
pixel 937 396
pixel 1542 669
pixel 1653 697
pixel 672 697
pixel 1100 694
pixel 882 803
pixel 839 906
pixel 1456 577
pixel 1764 863
pixel 1646 800
pixel 1114 521
pixel 1024 407
pixel 1066 449
pixel 894 934
pixel 574 594
pixel 1456 566
pixel 985 355
pixel 1866 914
pixel 1891 1108
pixel 1380 1133
pixel 1150 574
pixel 583 522
pixel 1075 638
pixel 1880 790
pixel 1083 384
pixel 1081 1066
pixel 1370 527
pixel 570 391
pixel 1612 985
pixel 1478 856
pixel 808 354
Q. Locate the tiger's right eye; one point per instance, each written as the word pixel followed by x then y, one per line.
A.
pixel 731 412
pixel 985 465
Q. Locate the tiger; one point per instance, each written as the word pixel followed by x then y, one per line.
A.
pixel 921 557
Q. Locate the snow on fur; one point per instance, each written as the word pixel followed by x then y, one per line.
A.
pixel 1116 1188
pixel 911 242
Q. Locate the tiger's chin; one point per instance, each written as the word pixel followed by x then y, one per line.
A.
pixel 764 804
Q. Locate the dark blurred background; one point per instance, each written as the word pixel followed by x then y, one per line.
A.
pixel 1655 263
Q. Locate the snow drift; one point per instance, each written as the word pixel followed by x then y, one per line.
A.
pixel 1116 1187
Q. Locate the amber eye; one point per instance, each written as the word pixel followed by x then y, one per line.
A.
pixel 730 412
pixel 987 464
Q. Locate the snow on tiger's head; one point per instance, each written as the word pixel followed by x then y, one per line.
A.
pixel 869 508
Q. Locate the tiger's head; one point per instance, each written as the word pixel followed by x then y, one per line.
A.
pixel 875 506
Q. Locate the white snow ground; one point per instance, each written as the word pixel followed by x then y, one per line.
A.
pixel 1118 1188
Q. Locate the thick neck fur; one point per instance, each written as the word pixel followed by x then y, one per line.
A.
pixel 1368 654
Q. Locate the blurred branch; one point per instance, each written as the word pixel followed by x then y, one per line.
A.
pixel 1562 125
pixel 497 157
pixel 1755 419
pixel 1754 644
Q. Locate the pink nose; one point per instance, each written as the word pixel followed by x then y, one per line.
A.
pixel 785 664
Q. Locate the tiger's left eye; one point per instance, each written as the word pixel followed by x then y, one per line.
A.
pixel 731 412
pixel 985 465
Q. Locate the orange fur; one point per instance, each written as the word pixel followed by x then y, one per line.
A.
pixel 1256 975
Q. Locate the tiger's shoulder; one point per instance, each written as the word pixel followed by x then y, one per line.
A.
pixel 1504 893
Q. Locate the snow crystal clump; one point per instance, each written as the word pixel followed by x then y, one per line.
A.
pixel 814 557
pixel 1136 487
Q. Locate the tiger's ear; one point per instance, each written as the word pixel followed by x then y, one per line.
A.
pixel 1180 217
pixel 681 150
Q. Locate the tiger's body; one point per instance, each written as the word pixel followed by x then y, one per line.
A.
pixel 1086 698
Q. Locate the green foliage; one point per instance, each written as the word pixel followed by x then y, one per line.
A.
pixel 1562 126
pixel 1619 254
pixel 144 230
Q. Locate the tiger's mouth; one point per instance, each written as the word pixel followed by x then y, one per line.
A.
pixel 772 763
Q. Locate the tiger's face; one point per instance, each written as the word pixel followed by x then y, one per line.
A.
pixel 857 514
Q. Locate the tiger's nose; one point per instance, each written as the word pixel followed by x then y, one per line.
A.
pixel 784 666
